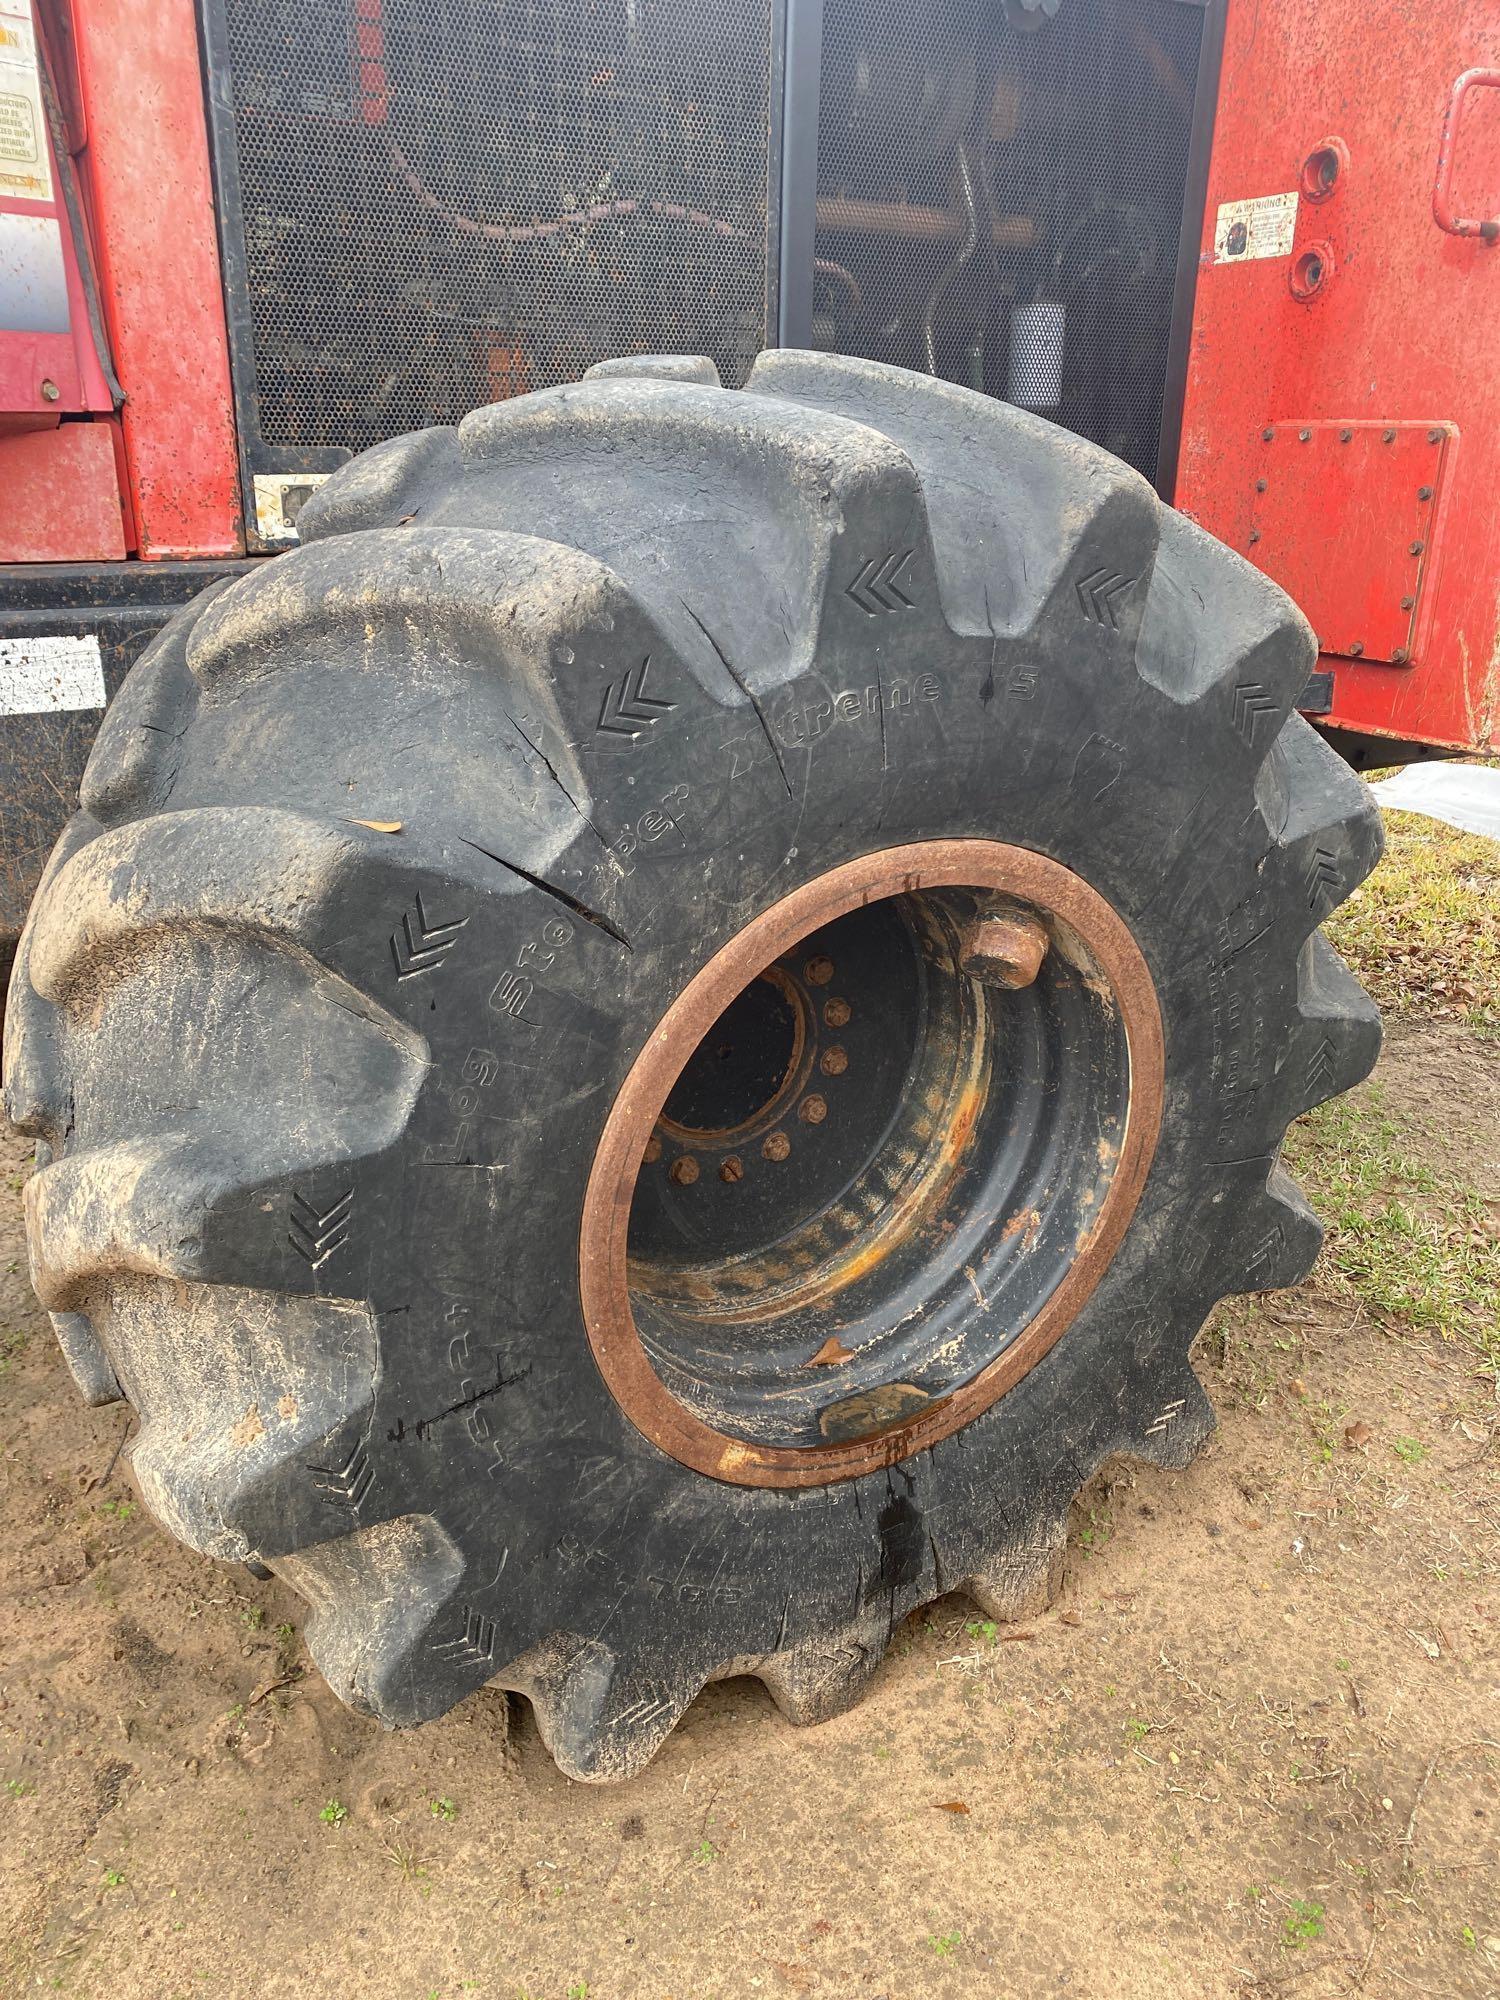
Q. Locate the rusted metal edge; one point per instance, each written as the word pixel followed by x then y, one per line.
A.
pixel 895 871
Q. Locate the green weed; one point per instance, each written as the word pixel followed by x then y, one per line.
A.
pixel 1302 1924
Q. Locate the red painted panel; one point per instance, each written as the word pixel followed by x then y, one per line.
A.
pixel 146 159
pixel 60 495
pixel 1369 314
pixel 40 373
pixel 48 366
pixel 1377 493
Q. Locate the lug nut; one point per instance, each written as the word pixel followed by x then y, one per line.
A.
pixel 652 1152
pixel 818 971
pixel 732 1169
pixel 1004 950
pixel 776 1146
pixel 834 1061
pixel 836 1013
pixel 812 1110
pixel 683 1171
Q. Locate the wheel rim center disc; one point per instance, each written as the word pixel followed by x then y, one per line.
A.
pixel 850 1192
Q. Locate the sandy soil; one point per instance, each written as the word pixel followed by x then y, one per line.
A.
pixel 1253 1749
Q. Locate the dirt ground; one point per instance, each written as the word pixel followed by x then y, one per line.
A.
pixel 1253 1749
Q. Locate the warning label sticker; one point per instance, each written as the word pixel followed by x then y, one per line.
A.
pixel 1261 227
pixel 25 168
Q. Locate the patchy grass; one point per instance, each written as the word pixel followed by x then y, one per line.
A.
pixel 1410 1237
pixel 1413 1244
pixel 1423 933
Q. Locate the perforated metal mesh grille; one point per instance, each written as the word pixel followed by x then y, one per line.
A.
pixel 446 202
pixel 1002 207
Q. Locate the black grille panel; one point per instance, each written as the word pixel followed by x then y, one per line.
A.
pixel 1002 205
pixel 445 202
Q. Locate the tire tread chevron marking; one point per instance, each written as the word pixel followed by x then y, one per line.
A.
pixel 1025 1556
pixel 877 587
pixel 316 1233
pixel 1322 878
pixel 1165 1418
pixel 475 1645
pixel 419 948
pixel 627 709
pixel 644 1710
pixel 1252 702
pixel 351 1481
pixel 1099 595
pixel 1320 1066
pixel 1267 1251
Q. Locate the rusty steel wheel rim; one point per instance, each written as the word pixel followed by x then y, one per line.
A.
pixel 1096 964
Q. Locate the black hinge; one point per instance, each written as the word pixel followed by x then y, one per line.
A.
pixel 1317 697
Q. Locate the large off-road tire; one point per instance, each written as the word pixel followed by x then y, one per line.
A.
pixel 903 736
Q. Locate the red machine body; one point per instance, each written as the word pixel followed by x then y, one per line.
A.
pixel 1341 412
pixel 124 134
pixel 1342 424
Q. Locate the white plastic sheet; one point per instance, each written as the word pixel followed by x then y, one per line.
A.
pixel 1463 795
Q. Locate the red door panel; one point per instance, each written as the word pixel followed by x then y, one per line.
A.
pixel 1342 426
